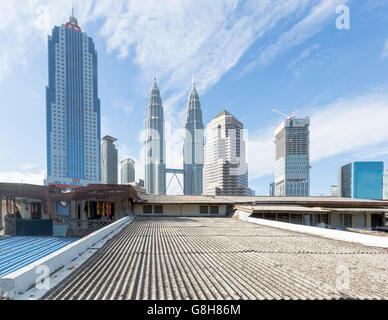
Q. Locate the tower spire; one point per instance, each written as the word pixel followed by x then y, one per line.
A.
pixel 73 20
pixel 72 8
pixel 154 84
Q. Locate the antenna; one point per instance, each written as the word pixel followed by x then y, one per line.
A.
pixel 289 117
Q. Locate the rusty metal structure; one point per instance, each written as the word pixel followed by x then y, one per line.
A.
pixel 49 195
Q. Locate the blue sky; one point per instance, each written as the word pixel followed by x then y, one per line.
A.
pixel 247 56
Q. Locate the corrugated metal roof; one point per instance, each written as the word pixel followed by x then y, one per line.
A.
pixel 283 208
pixel 291 208
pixel 361 210
pixel 18 252
pixel 265 200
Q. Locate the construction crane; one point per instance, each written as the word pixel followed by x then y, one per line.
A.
pixel 289 117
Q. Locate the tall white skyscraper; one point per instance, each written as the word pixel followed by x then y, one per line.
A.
pixel 72 108
pixel 292 158
pixel 155 165
pixel 109 161
pixel 225 169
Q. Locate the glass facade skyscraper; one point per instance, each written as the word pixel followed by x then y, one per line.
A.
pixel 155 165
pixel 193 146
pixel 72 108
pixel 292 158
pixel 361 180
pixel 109 161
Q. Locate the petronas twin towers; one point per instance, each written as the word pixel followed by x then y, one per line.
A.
pixel 155 153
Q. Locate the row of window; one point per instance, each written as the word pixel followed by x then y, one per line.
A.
pixel 158 209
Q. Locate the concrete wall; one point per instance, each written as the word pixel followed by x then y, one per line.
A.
pixel 359 221
pixel 185 210
pixel 336 220
pixel 367 240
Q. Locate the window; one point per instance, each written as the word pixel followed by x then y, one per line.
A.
pixel 36 212
pixel 204 209
pixel 147 209
pixel 348 220
pixel 159 209
pixel 214 209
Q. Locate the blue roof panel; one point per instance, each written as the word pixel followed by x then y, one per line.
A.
pixel 18 252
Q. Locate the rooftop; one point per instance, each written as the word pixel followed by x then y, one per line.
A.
pixel 18 252
pixel 266 200
pixel 223 258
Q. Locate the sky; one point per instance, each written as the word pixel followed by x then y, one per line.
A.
pixel 248 57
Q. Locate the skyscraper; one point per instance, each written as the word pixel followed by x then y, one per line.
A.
pixel 109 161
pixel 193 145
pixel 72 108
pixel 225 169
pixel 127 171
pixel 292 153
pixel 361 180
pixel 155 166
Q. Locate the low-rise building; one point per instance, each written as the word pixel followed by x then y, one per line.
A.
pixel 329 212
pixel 46 210
pixel 183 206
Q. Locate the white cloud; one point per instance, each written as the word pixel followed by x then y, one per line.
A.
pixel 304 55
pixel 309 26
pixel 351 125
pixel 348 124
pixel 26 22
pixel 174 39
pixel 170 39
pixel 23 177
pixel 27 166
pixel 261 153
pixel 385 50
pixel 127 108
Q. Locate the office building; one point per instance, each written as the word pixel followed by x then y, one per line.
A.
pixel 155 166
pixel 225 169
pixel 385 196
pixel 361 180
pixel 272 189
pixel 193 146
pixel 333 191
pixel 72 108
pixel 292 158
pixel 109 161
pixel 127 171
